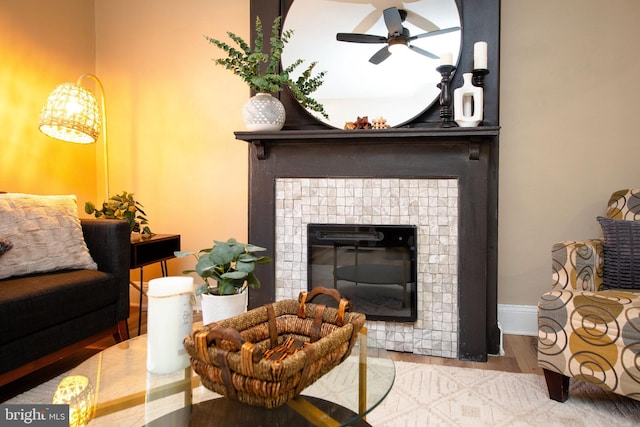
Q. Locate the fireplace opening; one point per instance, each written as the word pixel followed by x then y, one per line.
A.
pixel 374 266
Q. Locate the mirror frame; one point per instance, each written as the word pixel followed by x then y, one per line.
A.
pixel 480 21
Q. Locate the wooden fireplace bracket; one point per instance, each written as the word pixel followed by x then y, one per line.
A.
pixel 474 149
pixel 259 147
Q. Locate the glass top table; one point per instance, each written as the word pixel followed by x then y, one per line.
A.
pixel 126 394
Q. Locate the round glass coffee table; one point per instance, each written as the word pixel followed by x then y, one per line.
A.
pixel 126 394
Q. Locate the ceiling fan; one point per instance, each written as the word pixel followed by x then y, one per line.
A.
pixel 398 36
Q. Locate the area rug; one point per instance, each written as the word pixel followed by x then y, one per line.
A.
pixel 433 395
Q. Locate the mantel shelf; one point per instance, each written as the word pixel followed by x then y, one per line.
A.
pixel 339 134
pixel 473 136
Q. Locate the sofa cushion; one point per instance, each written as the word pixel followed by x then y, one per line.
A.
pixel 36 302
pixel 621 253
pixel 45 232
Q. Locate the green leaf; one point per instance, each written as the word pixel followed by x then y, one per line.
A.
pixel 235 275
pixel 254 248
pixel 246 267
pixel 222 253
pixel 182 254
pixel 252 280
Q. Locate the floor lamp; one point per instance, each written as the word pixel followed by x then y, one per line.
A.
pixel 72 114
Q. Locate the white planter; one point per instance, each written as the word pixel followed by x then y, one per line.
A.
pixel 218 307
pixel 263 112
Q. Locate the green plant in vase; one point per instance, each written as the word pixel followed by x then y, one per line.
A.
pixel 123 206
pixel 261 71
pixel 227 268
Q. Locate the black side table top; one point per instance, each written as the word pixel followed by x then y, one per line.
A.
pixel 157 248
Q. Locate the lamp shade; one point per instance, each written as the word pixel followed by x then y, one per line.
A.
pixel 71 114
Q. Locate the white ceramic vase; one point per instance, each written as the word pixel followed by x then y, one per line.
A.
pixel 263 112
pixel 468 103
pixel 218 307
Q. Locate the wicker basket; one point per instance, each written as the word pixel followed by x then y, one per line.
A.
pixel 270 354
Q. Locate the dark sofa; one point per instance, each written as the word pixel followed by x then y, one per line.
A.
pixel 44 317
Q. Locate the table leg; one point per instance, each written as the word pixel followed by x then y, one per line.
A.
pixel 140 306
pixel 362 373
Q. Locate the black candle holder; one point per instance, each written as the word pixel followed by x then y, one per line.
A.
pixel 446 112
pixel 478 77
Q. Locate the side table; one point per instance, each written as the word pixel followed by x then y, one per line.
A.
pixel 149 250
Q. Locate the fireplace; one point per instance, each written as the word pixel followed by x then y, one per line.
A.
pixel 442 180
pixel 373 266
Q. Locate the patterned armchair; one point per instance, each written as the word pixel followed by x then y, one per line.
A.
pixel 589 323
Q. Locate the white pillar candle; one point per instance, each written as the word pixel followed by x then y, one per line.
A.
pixel 169 321
pixel 446 58
pixel 480 56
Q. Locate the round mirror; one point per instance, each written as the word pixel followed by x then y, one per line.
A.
pixel 380 68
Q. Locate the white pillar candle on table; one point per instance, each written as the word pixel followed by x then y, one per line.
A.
pixel 446 58
pixel 480 56
pixel 169 321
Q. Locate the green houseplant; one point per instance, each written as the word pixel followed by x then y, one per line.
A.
pixel 261 70
pixel 226 268
pixel 122 206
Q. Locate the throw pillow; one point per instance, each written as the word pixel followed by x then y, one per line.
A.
pixel 45 232
pixel 5 245
pixel 621 253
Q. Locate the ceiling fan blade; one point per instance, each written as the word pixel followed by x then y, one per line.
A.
pixel 360 38
pixel 423 52
pixel 380 55
pixel 393 20
pixel 368 22
pixel 435 33
pixel 421 22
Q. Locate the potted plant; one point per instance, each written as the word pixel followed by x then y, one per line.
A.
pixel 249 64
pixel 123 206
pixel 227 269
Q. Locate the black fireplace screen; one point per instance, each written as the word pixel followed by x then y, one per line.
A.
pixel 374 266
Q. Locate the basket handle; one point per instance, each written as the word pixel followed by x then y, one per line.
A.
pixel 305 297
pixel 217 332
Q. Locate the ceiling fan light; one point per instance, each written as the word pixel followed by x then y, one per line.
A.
pixel 397 46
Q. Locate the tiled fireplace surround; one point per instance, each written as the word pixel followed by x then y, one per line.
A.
pixel 430 204
pixel 444 181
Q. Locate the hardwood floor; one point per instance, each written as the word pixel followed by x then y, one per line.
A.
pixel 520 357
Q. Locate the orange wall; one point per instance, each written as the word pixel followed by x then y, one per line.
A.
pixel 172 114
pixel 38 52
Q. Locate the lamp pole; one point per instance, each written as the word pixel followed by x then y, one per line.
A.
pixel 103 112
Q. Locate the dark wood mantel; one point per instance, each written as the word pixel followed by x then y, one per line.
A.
pixel 434 135
pixel 469 155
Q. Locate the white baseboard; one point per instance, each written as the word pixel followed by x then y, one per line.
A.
pixel 518 319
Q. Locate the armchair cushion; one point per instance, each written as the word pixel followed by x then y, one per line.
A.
pixel 621 253
pixel 624 204
pixel 577 264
